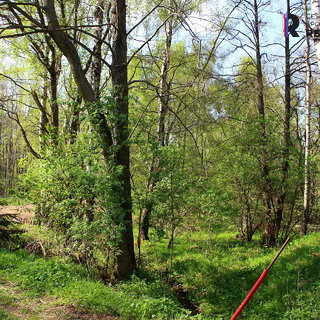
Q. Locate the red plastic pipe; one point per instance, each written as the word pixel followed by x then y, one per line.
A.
pixel 250 294
pixel 259 281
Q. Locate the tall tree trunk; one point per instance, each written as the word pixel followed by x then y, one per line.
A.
pixel 269 223
pixel 114 144
pixel 53 65
pixel 315 11
pixel 286 137
pixel 274 222
pixel 96 59
pixel 119 74
pixel 75 119
pixel 306 194
pixel 54 76
pixel 44 120
pixel 163 104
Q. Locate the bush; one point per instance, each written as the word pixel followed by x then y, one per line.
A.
pixel 74 194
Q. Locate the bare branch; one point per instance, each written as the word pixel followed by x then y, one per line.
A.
pixel 145 17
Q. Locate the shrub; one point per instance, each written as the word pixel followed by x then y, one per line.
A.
pixel 74 194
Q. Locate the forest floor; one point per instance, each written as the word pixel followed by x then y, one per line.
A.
pixel 214 268
pixel 17 304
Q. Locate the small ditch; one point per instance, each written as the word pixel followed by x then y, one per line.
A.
pixel 183 297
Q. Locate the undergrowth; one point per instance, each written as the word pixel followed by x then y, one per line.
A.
pixel 136 298
pixel 5 316
pixel 217 272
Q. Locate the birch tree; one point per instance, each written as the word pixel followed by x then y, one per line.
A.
pixel 163 103
pixel 315 11
pixel 306 195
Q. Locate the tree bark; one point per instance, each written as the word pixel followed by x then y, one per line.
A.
pixel 315 11
pixel 119 74
pixel 286 136
pixel 54 75
pixel 96 59
pixel 274 220
pixel 306 194
pixel 269 235
pixel 114 144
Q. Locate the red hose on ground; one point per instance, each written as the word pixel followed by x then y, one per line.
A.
pixel 259 281
pixel 250 294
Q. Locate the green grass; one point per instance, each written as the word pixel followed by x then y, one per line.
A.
pixel 138 298
pixel 5 316
pixel 218 271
